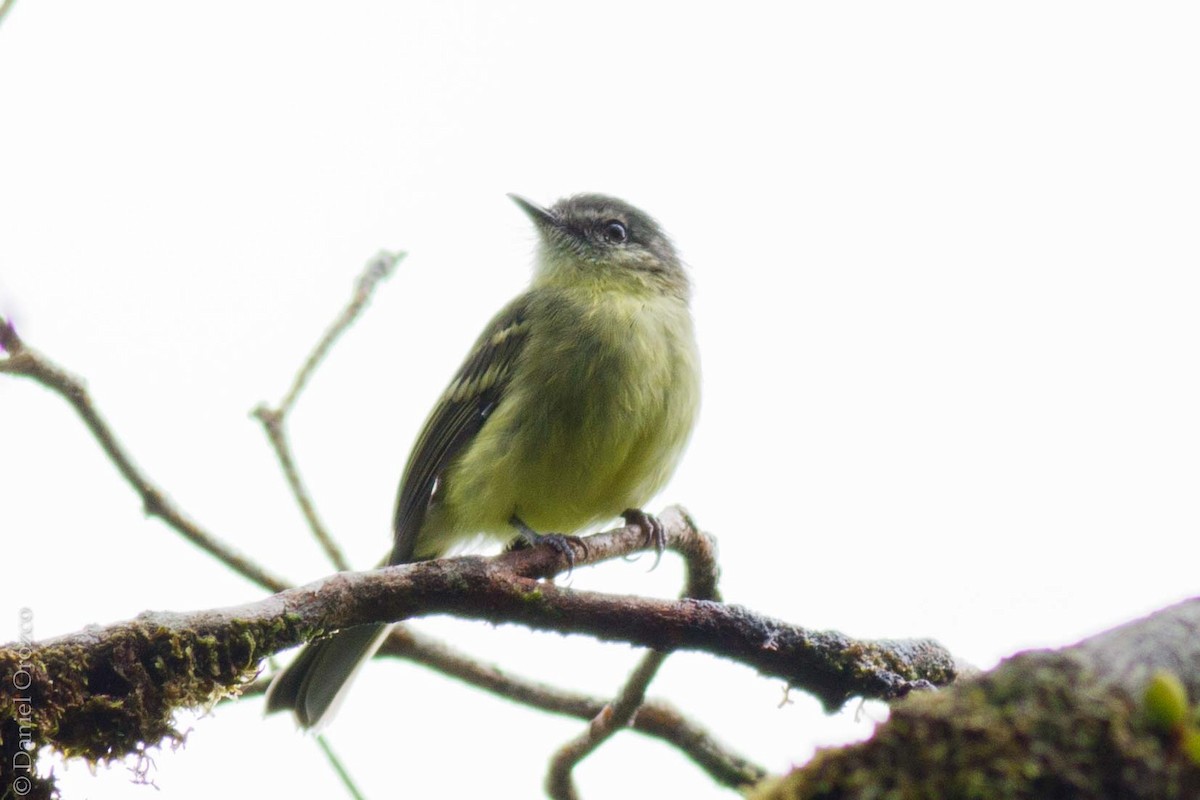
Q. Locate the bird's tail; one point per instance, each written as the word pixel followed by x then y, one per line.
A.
pixel 312 684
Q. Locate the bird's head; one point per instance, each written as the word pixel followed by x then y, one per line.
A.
pixel 593 239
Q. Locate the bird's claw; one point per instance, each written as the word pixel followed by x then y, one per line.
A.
pixel 656 532
pixel 561 543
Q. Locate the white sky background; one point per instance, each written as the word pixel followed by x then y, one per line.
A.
pixel 947 282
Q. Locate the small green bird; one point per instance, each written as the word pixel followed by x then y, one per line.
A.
pixel 572 408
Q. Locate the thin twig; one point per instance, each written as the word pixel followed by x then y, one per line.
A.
pixel 380 267
pixel 272 422
pixel 613 717
pixel 5 7
pixel 702 573
pixel 26 362
pixel 274 419
pixel 656 718
pixel 339 768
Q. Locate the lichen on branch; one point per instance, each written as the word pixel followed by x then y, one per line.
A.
pixel 107 692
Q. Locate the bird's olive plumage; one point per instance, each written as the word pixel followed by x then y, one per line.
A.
pixel 574 404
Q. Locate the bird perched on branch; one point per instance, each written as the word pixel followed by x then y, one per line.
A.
pixel 573 407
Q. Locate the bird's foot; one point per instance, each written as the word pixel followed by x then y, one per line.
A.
pixel 560 543
pixel 656 532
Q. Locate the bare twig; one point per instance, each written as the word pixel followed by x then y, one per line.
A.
pixel 655 718
pixel 701 584
pixel 5 7
pixel 613 717
pixel 274 419
pixel 379 268
pixel 26 362
pixel 339 768
pixel 722 764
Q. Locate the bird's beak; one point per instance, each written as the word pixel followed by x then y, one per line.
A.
pixel 540 216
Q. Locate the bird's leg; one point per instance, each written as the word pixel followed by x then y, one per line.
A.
pixel 528 537
pixel 656 532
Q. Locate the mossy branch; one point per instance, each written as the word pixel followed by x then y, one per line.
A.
pixel 107 692
pixel 1077 722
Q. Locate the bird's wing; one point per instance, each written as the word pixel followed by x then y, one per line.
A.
pixel 476 390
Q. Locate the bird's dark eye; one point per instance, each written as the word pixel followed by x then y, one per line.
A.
pixel 615 232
